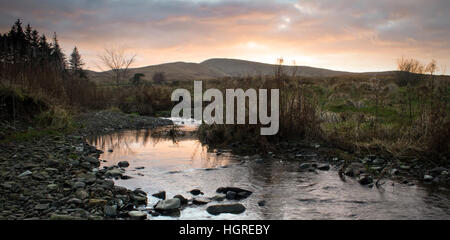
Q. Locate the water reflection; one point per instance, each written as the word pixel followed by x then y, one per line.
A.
pixel 162 148
pixel 180 164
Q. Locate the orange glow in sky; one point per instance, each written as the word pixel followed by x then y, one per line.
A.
pixel 342 35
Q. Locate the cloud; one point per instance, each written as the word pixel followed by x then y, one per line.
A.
pixel 335 34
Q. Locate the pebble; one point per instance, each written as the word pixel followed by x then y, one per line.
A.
pixel 24 174
pixel 137 215
pixel 427 178
pixel 79 185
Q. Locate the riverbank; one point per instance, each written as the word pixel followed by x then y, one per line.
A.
pixel 57 176
pixel 368 169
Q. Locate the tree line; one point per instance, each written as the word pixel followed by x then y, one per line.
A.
pixel 29 61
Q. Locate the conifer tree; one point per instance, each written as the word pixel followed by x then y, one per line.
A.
pixel 57 55
pixel 76 63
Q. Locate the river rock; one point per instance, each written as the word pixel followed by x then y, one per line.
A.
pixel 24 174
pixel 93 161
pixel 160 195
pixel 169 204
pixel 110 211
pixel 376 168
pixel 42 206
pixel 305 166
pixel 230 195
pixel 137 215
pixel 200 201
pixel 97 202
pixel 378 161
pixel 240 193
pixel 405 167
pixel 79 185
pixel 427 178
pixel 154 213
pixel 196 192
pixel 226 208
pixel 108 184
pixel 365 180
pixel 52 186
pixel 218 198
pixel 81 194
pixel 123 164
pixel 74 201
pixel 395 171
pixel 183 200
pixel 324 167
pixel 438 170
pixel 139 198
pixel 115 172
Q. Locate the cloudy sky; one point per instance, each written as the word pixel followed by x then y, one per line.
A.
pixel 351 35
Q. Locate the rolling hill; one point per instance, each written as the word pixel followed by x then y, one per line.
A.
pixel 215 68
pixel 239 68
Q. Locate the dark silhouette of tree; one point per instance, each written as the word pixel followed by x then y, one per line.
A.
pixel 136 80
pixel 28 60
pixel 76 63
pixel 159 78
pixel 57 54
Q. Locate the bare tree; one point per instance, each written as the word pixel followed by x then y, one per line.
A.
pixel 118 62
pixel 432 68
pixel 410 71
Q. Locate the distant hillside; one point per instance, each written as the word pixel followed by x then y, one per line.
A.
pixel 173 71
pixel 238 68
pixel 218 68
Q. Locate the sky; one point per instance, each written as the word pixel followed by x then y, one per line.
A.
pixel 348 35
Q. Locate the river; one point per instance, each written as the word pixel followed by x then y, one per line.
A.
pixel 160 163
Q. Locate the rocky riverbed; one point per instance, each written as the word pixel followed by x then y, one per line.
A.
pixel 369 169
pixel 57 177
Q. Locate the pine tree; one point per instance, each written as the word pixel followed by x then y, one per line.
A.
pixel 35 43
pixel 57 55
pixel 44 48
pixel 17 42
pixel 28 42
pixel 76 63
pixel 28 32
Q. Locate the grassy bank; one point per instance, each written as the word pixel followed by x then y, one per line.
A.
pixel 26 115
pixel 357 113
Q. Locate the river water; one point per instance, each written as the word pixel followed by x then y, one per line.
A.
pixel 180 166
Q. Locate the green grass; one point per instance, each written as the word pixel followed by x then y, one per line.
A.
pixel 35 133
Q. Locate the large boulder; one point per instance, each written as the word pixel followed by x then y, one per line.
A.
pixel 169 204
pixel 226 208
pixel 169 207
